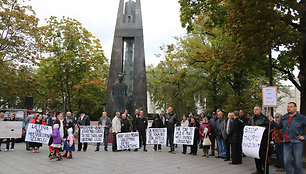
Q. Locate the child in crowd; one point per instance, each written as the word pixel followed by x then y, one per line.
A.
pixel 69 144
pixel 56 143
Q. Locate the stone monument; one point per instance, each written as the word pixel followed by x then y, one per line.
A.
pixel 128 58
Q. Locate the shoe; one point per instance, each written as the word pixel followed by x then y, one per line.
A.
pixel 12 149
pixel 59 157
pixel 50 156
pixel 135 150
pixel 233 163
pixel 212 155
pixel 65 155
pixel 183 152
pixel 169 151
pixel 194 154
pixel 70 155
pixel 145 150
pixel 226 159
pixel 105 150
pixel 79 150
pixel 255 172
pixel 84 150
pixel 159 150
pixel 190 153
pixel 96 150
pixel 6 150
pixel 173 152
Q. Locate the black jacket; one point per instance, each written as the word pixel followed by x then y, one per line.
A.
pixel 84 122
pixel 172 120
pixel 196 130
pixel 125 125
pixel 157 124
pixel 141 124
pixel 236 131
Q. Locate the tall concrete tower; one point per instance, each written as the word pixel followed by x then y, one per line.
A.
pixel 128 58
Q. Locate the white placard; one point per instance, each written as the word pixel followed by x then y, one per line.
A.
pixel 10 129
pixel 269 96
pixel 127 140
pixel 156 136
pixel 251 141
pixel 184 135
pixel 38 133
pixel 91 134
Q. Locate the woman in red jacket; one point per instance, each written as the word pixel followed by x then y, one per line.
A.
pixel 205 129
pixel 37 120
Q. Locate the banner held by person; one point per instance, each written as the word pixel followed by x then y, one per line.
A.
pixel 127 140
pixel 91 134
pixel 184 135
pixel 38 133
pixel 251 141
pixel 157 136
pixel 10 129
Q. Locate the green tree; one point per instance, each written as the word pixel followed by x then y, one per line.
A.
pixel 74 75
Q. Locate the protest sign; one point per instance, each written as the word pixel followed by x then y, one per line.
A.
pixel 10 129
pixel 184 135
pixel 269 96
pixel 38 133
pixel 251 141
pixel 157 136
pixel 127 140
pixel 91 134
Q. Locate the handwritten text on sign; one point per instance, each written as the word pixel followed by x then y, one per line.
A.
pixel 91 134
pixel 127 140
pixel 10 129
pixel 157 136
pixel 184 135
pixel 251 141
pixel 38 133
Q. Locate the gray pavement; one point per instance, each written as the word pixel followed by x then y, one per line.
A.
pixel 22 161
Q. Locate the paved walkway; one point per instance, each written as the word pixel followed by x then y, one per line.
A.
pixel 22 161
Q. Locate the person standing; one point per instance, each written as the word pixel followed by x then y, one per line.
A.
pixel 220 126
pixel 205 130
pixel 26 121
pixel 129 118
pixel 194 147
pixel 277 137
pixel 83 120
pixel 62 127
pixel 260 120
pixel 235 138
pixel 10 140
pixel 228 122
pixel 141 127
pixel 106 123
pixel 184 123
pixel 49 120
pixel 125 124
pixel 171 122
pixel 69 122
pixel 157 123
pixel 69 144
pixel 37 120
pixel 292 125
pixel 116 128
pixel 213 122
pixel 56 144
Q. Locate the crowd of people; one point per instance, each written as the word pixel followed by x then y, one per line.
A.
pixel 219 135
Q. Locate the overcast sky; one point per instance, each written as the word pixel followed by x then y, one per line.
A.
pixel 160 20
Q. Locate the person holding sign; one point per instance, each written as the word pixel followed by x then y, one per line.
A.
pixel 157 123
pixel 105 122
pixel 83 120
pixel 194 123
pixel 171 122
pixel 141 127
pixel 12 140
pixel 37 120
pixel 184 123
pixel 292 125
pixel 116 128
pixel 260 120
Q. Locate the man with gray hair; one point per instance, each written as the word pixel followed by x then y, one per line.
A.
pixel 220 126
pixel 104 122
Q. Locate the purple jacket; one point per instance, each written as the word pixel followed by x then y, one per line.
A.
pixel 56 137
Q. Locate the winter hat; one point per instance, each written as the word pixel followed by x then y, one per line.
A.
pixel 56 126
pixel 69 131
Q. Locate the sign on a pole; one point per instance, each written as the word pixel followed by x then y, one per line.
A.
pixel 269 96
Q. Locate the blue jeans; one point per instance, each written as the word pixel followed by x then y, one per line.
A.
pixel 295 150
pixel 280 155
pixel 171 138
pixel 105 142
pixel 221 145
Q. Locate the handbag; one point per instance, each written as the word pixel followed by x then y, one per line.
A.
pixel 206 141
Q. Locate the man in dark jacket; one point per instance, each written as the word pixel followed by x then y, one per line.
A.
pixel 260 120
pixel 105 122
pixel 83 120
pixel 69 122
pixel 157 123
pixel 141 127
pixel 171 122
pixel 125 124
pixel 213 122
pixel 235 138
pixel 292 124
pixel 220 134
